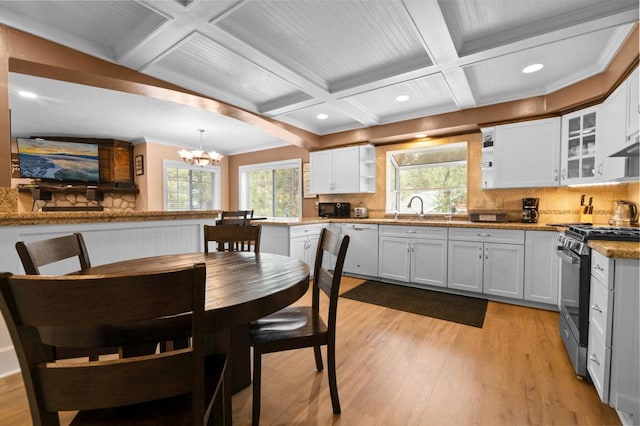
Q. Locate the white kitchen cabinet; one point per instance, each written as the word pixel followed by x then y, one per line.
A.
pixel 488 172
pixel 303 243
pixel 343 170
pixel 415 254
pixel 541 267
pixel 600 322
pixel 526 154
pixel 624 381
pixel 362 254
pixel 614 136
pixel 487 261
pixel 581 155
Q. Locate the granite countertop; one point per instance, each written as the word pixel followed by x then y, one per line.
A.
pixel 55 218
pixel 619 249
pixel 415 222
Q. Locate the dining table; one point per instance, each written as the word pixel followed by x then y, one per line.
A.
pixel 241 287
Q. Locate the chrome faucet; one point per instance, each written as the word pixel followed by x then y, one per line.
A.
pixel 421 214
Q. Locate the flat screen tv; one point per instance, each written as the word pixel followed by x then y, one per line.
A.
pixel 58 161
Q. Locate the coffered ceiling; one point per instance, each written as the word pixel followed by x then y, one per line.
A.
pixel 347 59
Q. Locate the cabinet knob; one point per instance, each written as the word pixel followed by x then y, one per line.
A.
pixel 484 235
pixel 593 358
pixel 555 174
pixel 479 253
pixel 596 308
pixel 598 267
pixel 564 174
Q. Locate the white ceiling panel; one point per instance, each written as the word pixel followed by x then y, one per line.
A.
pixel 290 60
pixel 306 118
pixel 206 63
pixel 109 27
pixel 565 62
pixel 482 24
pixel 334 43
pixel 427 95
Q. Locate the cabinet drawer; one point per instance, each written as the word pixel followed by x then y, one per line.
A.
pixel 598 364
pixel 433 232
pixel 600 310
pixel 600 268
pixel 303 230
pixel 508 236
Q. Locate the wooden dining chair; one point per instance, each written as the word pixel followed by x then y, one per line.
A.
pixel 236 217
pixel 169 388
pixel 35 255
pixel 297 327
pixel 233 237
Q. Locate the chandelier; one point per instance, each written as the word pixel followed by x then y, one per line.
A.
pixel 199 157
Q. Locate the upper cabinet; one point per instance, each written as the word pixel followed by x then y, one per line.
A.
pixel 343 170
pixel 633 107
pixel 526 154
pixel 581 156
pixel 614 132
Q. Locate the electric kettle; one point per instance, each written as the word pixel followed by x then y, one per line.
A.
pixel 624 213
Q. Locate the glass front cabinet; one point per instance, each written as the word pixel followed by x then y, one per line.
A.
pixel 582 157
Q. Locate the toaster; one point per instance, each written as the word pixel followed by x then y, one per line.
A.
pixel 361 212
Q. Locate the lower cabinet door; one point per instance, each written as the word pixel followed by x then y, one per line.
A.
pixel 464 271
pixel 394 258
pixel 429 262
pixel 598 363
pixel 504 270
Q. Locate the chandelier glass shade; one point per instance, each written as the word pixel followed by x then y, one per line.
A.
pixel 199 157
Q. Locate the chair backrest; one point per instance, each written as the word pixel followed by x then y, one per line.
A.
pixel 34 254
pixel 233 237
pixel 32 301
pixel 326 280
pixel 236 217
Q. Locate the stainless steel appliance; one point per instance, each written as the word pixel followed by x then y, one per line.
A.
pixel 530 210
pixel 576 284
pixel 334 209
pixel 361 212
pixel 624 213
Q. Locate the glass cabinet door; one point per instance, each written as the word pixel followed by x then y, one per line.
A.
pixel 580 146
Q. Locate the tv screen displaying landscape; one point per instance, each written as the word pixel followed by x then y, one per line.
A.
pixel 56 160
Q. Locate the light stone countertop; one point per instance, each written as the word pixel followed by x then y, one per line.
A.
pixel 619 249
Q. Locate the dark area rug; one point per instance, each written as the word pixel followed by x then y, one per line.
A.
pixel 449 307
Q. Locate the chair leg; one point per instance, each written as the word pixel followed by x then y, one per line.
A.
pixel 333 382
pixel 257 367
pixel 318 355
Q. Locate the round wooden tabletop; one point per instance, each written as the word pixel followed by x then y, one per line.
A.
pixel 241 286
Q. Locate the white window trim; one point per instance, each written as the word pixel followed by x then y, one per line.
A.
pixel 390 201
pixel 180 164
pixel 243 196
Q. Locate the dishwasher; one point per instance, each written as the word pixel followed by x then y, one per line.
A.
pixel 362 254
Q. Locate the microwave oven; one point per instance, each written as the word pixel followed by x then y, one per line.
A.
pixel 334 209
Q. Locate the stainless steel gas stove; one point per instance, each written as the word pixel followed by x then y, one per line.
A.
pixel 575 284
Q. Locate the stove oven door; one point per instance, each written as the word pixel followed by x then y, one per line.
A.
pixel 574 313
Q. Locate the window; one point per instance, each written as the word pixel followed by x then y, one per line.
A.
pixel 272 189
pixel 191 187
pixel 437 174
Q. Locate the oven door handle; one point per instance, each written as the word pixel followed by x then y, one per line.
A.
pixel 569 257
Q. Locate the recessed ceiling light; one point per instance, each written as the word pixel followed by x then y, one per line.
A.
pixel 532 68
pixel 402 98
pixel 322 116
pixel 29 95
pixel 420 135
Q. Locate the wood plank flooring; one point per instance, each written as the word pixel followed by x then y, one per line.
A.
pixel 397 368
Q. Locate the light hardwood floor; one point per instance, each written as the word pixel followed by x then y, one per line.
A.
pixel 397 368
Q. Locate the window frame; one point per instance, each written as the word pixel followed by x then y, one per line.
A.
pixel 216 186
pixel 243 194
pixel 392 194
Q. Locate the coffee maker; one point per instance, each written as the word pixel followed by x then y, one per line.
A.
pixel 530 210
